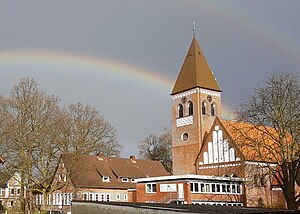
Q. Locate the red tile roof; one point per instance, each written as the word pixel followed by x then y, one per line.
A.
pixel 86 171
pixel 256 143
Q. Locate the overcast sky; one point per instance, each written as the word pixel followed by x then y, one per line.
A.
pixel 122 56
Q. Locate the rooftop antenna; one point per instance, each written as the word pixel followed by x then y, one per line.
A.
pixel 194 28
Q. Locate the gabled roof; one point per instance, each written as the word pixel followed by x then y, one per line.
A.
pixel 255 142
pixel 87 171
pixel 195 72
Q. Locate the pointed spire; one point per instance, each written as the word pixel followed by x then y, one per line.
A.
pixel 194 28
pixel 195 71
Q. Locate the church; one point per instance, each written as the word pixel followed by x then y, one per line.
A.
pixel 212 160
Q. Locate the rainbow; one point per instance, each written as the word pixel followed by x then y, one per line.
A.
pixel 262 31
pixel 61 60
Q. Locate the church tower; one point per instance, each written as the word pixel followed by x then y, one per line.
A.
pixel 196 101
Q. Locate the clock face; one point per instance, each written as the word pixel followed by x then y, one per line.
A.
pixel 209 98
pixel 183 100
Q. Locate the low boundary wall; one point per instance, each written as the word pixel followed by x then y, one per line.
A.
pixel 90 207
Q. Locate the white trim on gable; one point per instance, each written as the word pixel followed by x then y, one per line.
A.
pixel 219 150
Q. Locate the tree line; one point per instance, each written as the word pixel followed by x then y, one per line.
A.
pixel 35 130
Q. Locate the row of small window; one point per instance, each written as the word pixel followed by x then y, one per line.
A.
pixel 103 197
pixel 127 180
pixel 239 204
pixel 57 199
pixel 219 152
pixel 66 198
pixel 216 188
pixel 11 191
pixel 124 179
pixel 191 109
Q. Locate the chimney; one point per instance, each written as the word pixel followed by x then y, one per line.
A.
pixel 100 156
pixel 132 158
pixel 1 160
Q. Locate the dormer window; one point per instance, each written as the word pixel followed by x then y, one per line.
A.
pixel 124 179
pixel 106 179
pixel 133 180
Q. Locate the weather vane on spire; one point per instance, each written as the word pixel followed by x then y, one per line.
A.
pixel 194 27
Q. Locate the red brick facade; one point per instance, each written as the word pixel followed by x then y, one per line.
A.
pixel 190 189
pixel 203 145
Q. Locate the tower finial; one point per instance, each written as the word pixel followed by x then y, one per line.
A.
pixel 194 27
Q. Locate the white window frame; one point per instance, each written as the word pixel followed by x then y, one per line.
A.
pixel 125 197
pixel 49 199
pixel 85 196
pixel 125 179
pixel 102 197
pixel 65 199
pixel 220 188
pixel 108 197
pixel 37 200
pixel 60 199
pixel 106 179
pixel 118 196
pixel 54 199
pixel 91 197
pixel 151 189
pixel 97 197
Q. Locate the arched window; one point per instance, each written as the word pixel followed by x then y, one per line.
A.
pixel 180 110
pixel 213 109
pixel 205 158
pixel 231 154
pixel 203 107
pixel 210 153
pixel 262 180
pixel 191 110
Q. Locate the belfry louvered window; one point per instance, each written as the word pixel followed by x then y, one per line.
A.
pixel 203 107
pixel 213 109
pixel 180 110
pixel 191 109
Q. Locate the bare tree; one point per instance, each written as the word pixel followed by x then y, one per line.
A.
pixel 273 110
pixel 28 126
pixel 35 131
pixel 158 148
pixel 84 131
